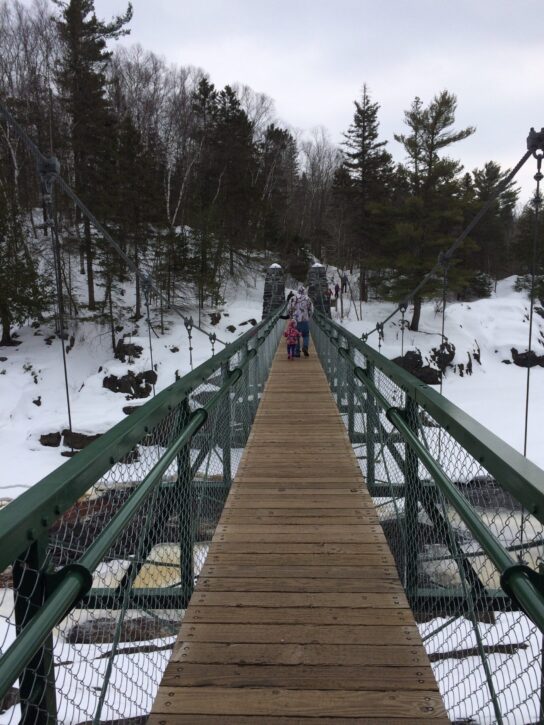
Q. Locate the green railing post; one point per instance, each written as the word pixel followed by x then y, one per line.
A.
pixel 225 432
pixel 350 392
pixel 371 424
pixel 37 681
pixel 412 496
pixel 186 509
pixel 246 406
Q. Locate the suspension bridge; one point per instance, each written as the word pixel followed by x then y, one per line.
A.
pixel 268 541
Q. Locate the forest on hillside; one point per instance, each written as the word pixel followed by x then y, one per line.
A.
pixel 197 182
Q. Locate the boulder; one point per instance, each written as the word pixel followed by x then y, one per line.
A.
pixel 411 361
pixel 127 349
pixel 215 318
pixel 50 439
pixel 527 359
pixel 103 630
pixel 429 375
pixel 71 439
pixel 231 328
pixel 132 385
pixel 443 355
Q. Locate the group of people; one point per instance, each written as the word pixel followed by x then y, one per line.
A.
pixel 300 310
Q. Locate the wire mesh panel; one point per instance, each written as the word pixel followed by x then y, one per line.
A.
pixel 111 574
pixel 486 652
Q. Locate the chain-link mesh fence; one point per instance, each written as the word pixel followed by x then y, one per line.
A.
pixel 141 530
pixel 486 652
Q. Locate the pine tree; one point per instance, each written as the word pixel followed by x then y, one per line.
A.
pixel 432 210
pixel 82 80
pixel 23 292
pixel 494 232
pixel 370 166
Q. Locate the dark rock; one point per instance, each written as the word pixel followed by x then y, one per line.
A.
pixel 38 401
pixel 50 439
pixel 526 359
pixel 507 362
pixel 429 375
pixel 49 340
pixel 411 361
pixel 443 355
pixel 231 328
pixel 10 699
pixel 103 630
pixel 150 376
pixel 226 314
pixel 174 349
pixel 71 439
pixel 127 349
pixel 135 386
pixel 3 359
pixel 215 318
pixel 251 321
pixel 68 454
pixel 129 409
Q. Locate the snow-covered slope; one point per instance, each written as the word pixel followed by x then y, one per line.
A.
pixel 33 371
pixel 495 392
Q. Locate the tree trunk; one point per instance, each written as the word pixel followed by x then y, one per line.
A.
pixel 89 260
pixel 414 325
pixel 138 311
pixel 6 326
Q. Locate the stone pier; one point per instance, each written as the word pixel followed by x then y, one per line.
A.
pixel 274 289
pixel 317 288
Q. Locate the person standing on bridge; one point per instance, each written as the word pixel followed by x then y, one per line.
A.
pixel 293 339
pixel 301 309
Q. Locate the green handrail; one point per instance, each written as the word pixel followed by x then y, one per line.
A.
pixel 519 476
pixel 31 515
pixel 60 490
pixel 519 581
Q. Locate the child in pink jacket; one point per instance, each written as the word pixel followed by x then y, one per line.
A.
pixel 292 335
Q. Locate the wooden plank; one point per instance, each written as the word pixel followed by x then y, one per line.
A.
pixel 299 654
pixel 323 703
pixel 277 598
pixel 299 615
pixel 296 559
pixel 325 547
pixel 193 719
pixel 318 677
pixel 299 633
pixel 345 536
pixel 288 572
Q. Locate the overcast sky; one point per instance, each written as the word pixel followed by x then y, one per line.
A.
pixel 312 58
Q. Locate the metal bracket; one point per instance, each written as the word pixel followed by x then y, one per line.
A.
pixel 83 574
pixel 535 141
pixel 536 579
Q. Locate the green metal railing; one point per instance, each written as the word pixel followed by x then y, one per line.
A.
pixel 99 559
pixel 463 514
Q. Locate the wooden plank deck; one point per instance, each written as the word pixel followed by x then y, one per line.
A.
pixel 299 615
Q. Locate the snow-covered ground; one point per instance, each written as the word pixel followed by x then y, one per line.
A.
pixel 495 392
pixel 33 371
